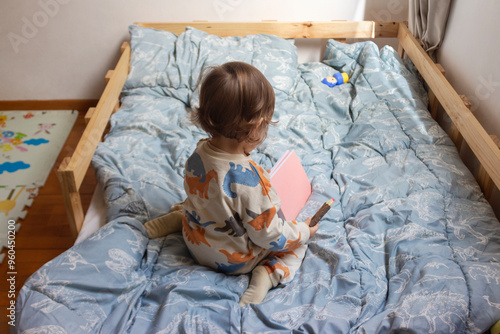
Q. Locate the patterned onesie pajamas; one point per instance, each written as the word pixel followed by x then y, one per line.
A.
pixel 230 218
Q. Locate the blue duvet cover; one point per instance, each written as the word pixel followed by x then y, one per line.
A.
pixel 409 246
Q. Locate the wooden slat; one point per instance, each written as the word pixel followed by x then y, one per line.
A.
pixel 75 170
pixel 335 29
pixel 91 111
pixel 433 101
pixel 454 134
pixel 108 76
pixel 401 51
pixel 479 141
pixel 117 107
pixel 466 101
pixel 124 46
pixel 89 114
pixel 483 178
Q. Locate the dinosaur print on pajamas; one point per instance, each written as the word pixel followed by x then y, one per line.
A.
pixel 194 218
pixel 273 265
pixel 265 182
pixel 229 269
pixel 233 225
pixel 195 166
pixel 236 261
pixel 201 181
pixel 194 236
pixel 238 175
pixel 262 220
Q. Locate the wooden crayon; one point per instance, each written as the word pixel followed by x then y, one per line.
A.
pixel 321 212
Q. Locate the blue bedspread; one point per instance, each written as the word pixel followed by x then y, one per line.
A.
pixel 409 244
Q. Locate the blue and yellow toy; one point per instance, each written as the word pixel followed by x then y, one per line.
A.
pixel 336 79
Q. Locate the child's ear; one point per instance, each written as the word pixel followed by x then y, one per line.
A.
pixel 257 129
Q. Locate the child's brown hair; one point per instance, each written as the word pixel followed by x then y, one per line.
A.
pixel 235 101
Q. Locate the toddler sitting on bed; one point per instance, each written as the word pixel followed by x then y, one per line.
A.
pixel 229 219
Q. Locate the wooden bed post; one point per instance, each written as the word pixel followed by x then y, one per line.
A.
pixel 72 200
pixel 73 169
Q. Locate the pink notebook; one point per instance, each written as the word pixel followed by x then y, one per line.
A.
pixel 290 180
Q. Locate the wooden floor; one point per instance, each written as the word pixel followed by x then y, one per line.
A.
pixel 44 233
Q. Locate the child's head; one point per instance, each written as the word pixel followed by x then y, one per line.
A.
pixel 236 101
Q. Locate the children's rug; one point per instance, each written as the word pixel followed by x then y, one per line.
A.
pixel 30 142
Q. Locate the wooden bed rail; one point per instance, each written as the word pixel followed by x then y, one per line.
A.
pixel 73 169
pixel 483 146
pixel 325 29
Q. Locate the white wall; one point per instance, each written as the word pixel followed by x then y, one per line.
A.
pixel 470 55
pixel 61 49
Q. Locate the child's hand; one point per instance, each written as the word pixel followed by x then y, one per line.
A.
pixel 312 230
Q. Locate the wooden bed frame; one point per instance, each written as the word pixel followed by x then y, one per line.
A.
pixel 464 125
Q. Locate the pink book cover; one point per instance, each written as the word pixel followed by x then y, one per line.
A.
pixel 291 183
